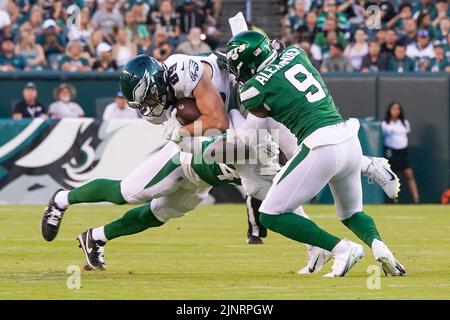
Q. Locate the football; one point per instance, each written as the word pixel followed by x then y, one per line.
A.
pixel 187 111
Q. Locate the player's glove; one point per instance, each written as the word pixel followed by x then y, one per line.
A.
pixel 171 127
pixel 268 153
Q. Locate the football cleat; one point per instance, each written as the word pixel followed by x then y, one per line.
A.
pixel 348 255
pixel 51 220
pixel 380 171
pixel 386 259
pixel 317 257
pixel 254 240
pixel 94 251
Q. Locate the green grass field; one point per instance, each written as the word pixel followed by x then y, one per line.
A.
pixel 205 256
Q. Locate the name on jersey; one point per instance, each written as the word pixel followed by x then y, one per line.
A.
pixel 265 74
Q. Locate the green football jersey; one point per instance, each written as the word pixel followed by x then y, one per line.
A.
pixel 215 174
pixel 293 93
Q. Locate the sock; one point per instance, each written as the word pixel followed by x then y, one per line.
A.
pixel 365 163
pixel 134 221
pixel 300 229
pixel 363 227
pixel 97 190
pixel 62 199
pixel 99 234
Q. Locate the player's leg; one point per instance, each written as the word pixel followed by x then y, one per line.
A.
pixel 299 181
pixel 139 219
pixel 159 174
pixel 347 193
pixel 255 230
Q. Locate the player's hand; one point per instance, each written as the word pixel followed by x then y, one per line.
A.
pixel 268 154
pixel 171 127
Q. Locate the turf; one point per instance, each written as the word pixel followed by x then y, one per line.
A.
pixel 204 256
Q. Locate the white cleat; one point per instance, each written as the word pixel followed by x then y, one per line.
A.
pixel 386 259
pixel 346 254
pixel 317 257
pixel 380 171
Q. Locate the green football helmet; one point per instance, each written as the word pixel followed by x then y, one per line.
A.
pixel 247 53
pixel 145 84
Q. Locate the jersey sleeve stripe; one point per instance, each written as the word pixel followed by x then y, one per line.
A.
pixel 249 94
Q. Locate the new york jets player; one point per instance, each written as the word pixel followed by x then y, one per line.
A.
pixel 286 87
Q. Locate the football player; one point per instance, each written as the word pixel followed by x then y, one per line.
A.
pixel 286 87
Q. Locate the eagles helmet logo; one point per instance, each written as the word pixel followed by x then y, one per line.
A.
pixel 140 91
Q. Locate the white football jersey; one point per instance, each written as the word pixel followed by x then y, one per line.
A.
pixel 185 72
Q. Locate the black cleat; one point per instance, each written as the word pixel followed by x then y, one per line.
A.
pixel 52 219
pixel 94 251
pixel 254 240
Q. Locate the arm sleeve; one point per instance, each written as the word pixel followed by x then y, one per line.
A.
pixel 251 96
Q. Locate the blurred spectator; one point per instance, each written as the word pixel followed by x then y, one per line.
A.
pixel 387 10
pixel 82 32
pixel 330 12
pixel 212 33
pixel 409 31
pixel 34 22
pixel 358 49
pixel 330 35
pixel 194 43
pixel 355 11
pixel 94 40
pixel 191 16
pixel 405 12
pixel 395 129
pixel 167 20
pixel 107 17
pixel 160 49
pixel 443 29
pixel 425 6
pixel 306 46
pixel 104 61
pixel 421 50
pixel 29 106
pixel 9 61
pixel 5 22
pixel 400 62
pixel 73 61
pixel 119 109
pixel 442 12
pixel 308 31
pixel 439 63
pixel 51 42
pixel 336 61
pixel 124 49
pixel 424 23
pixel 64 107
pixel 389 44
pixel 374 61
pixel 294 20
pixel 31 51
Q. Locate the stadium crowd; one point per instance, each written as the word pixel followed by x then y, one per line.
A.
pixel 339 35
pixel 370 36
pixel 101 35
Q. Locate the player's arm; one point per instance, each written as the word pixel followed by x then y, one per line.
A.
pixel 210 105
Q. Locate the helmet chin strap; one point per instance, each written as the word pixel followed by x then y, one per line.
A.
pixel 269 60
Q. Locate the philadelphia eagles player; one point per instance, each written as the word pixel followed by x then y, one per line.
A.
pixel 286 87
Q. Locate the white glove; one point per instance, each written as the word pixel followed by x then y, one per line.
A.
pixel 171 127
pixel 268 153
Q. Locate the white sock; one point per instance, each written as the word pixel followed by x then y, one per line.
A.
pixel 365 163
pixel 62 199
pixel 99 234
